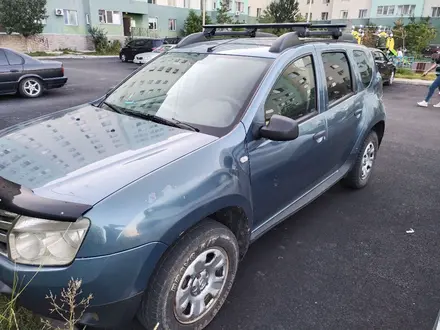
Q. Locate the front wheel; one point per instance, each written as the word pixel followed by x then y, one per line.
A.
pixel 361 172
pixel 193 280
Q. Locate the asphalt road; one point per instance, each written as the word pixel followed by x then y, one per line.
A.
pixel 344 262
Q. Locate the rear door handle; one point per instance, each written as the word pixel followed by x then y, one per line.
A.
pixel 13 70
pixel 358 113
pixel 320 136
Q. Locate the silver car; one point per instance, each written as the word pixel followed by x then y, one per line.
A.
pixel 145 57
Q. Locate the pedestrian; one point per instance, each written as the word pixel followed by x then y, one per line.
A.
pixel 436 84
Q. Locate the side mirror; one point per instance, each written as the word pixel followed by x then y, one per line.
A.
pixel 280 128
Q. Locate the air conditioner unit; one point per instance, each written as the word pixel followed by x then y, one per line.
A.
pixel 59 12
pixel 237 13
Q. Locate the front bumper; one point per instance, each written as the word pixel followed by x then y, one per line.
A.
pixel 117 282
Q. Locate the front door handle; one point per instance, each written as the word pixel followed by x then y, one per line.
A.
pixel 358 113
pixel 14 70
pixel 320 136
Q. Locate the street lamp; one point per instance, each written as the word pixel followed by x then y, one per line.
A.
pixel 310 10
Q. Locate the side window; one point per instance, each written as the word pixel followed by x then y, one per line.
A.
pixel 294 93
pixel 364 66
pixel 337 76
pixel 13 58
pixel 140 43
pixel 3 60
pixel 378 56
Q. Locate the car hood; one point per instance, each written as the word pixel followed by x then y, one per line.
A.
pixel 86 153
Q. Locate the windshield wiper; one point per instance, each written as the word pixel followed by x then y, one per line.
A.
pixel 156 119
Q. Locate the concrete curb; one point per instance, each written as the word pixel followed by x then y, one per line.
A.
pixel 80 57
pixel 418 82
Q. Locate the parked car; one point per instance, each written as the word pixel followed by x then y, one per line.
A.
pixel 152 194
pixel 386 67
pixel 143 45
pixel 27 75
pixel 145 57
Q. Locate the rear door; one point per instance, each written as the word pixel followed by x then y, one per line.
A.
pixel 16 66
pixel 343 107
pixel 8 79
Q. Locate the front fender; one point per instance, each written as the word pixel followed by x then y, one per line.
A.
pixel 170 200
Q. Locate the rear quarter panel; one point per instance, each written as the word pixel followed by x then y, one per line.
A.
pixel 42 70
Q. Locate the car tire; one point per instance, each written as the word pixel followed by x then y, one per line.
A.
pixel 361 172
pixel 391 80
pixel 31 87
pixel 203 260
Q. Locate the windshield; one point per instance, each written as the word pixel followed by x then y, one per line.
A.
pixel 209 91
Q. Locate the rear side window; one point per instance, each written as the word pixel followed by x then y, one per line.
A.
pixel 157 43
pixel 364 66
pixel 338 76
pixel 13 58
pixel 3 60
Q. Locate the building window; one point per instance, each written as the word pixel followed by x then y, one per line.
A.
pixel 172 24
pixel 153 2
pixel 249 10
pixel 87 19
pixel 70 17
pixel 308 2
pixel 435 12
pixel 152 23
pixel 325 1
pixel 386 10
pixel 258 12
pixel 406 10
pixel 186 3
pixel 344 14
pixel 309 16
pixel 363 13
pixel 109 17
pixel 214 5
pixel 324 16
pixel 240 6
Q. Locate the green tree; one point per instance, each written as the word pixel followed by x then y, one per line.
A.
pixel 419 34
pixel 282 11
pixel 194 23
pixel 23 16
pixel 400 34
pixel 223 16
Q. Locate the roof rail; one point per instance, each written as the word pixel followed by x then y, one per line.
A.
pixel 298 30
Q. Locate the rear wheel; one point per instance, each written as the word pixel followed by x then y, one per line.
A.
pixel 193 280
pixel 31 87
pixel 361 172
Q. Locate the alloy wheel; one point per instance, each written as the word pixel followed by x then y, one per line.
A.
pixel 32 87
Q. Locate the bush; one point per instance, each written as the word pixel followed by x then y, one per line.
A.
pixel 100 40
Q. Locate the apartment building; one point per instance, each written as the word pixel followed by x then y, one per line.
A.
pixel 335 9
pixel 68 21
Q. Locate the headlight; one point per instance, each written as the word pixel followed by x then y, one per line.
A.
pixel 35 241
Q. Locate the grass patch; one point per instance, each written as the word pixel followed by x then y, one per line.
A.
pixel 36 54
pixel 25 319
pixel 409 74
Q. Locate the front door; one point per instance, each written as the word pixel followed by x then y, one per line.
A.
pixel 283 171
pixel 127 26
